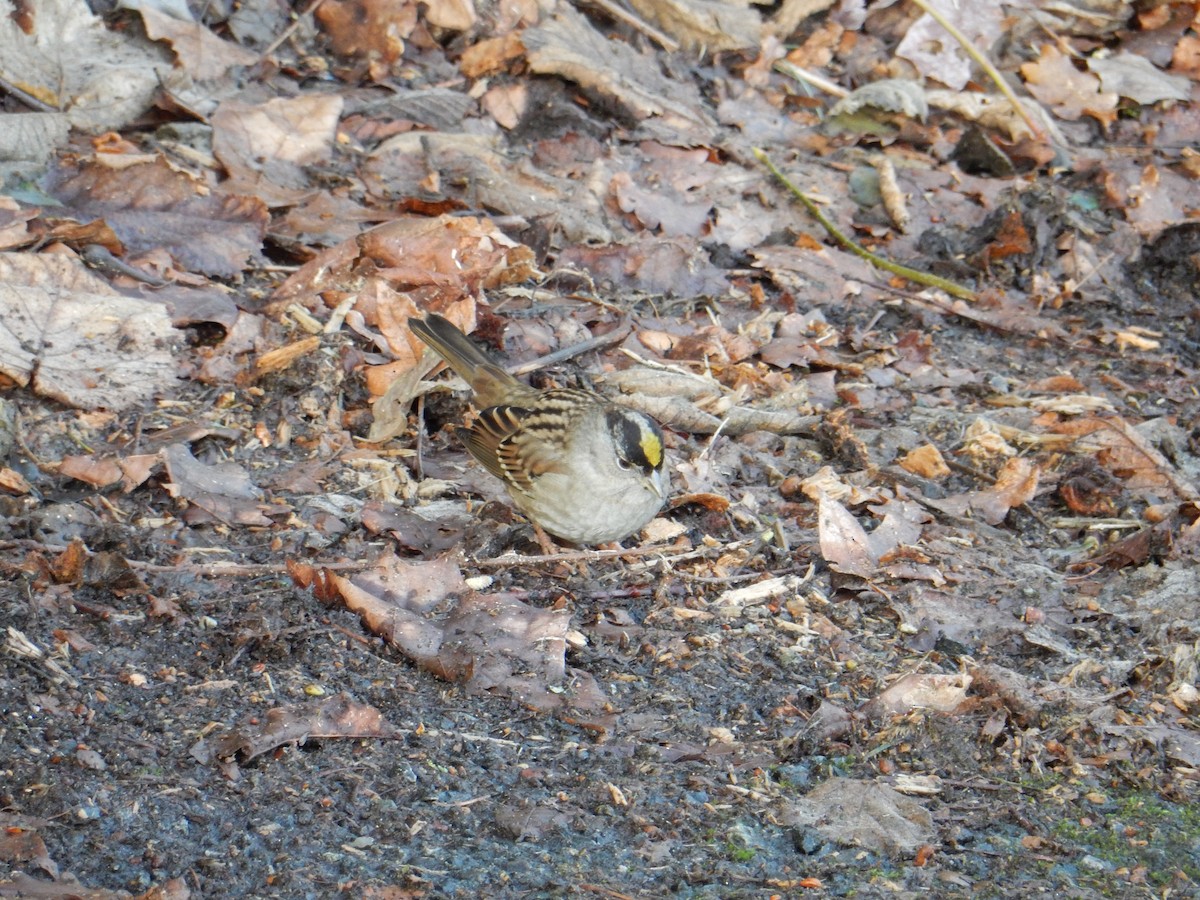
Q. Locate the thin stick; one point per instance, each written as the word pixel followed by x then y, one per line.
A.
pixel 568 556
pixel 290 30
pixel 565 353
pixel 950 287
pixel 27 98
pixel 793 71
pixel 622 15
pixel 984 63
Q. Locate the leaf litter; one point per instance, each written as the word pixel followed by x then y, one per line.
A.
pixel 921 613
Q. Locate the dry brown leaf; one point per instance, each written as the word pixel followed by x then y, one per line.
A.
pixel 889 95
pixel 150 205
pixel 453 15
pixel 491 55
pixel 1186 58
pixel 19 844
pixel 265 147
pixel 1070 93
pixel 1153 198
pixel 437 261
pixel 69 336
pixel 984 440
pixel 845 545
pixel 223 491
pixel 995 112
pixel 100 77
pixel 200 53
pixel 926 461
pixel 13 482
pixel 1017 481
pixel 826 481
pixel 93 470
pixel 338 717
pixel 706 26
pixel 325 218
pixel 937 55
pixel 678 267
pixel 372 31
pixel 1135 77
pixel 937 692
pixel 491 643
pixel 506 104
pixel 484 174
pixel 1120 449
pixel 1016 484
pixel 659 209
pixel 14 227
pixel 567 45
pixel 862 814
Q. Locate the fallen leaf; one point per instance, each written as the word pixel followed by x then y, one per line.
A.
pixel 338 717
pixel 862 814
pixel 223 491
pixel 844 543
pixel 69 336
pixel 1070 93
pixel 940 693
pixel 1137 78
pixel 200 53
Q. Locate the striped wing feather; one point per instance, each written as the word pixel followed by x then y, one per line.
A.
pixel 518 445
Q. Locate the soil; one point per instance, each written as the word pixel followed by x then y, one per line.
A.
pixel 716 724
pixel 999 706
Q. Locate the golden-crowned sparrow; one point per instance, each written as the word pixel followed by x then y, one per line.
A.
pixel 583 468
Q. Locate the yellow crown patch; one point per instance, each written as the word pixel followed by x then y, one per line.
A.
pixel 652 447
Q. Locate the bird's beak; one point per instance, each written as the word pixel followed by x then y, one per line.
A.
pixel 659 483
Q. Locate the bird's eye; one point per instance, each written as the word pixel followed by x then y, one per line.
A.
pixel 623 463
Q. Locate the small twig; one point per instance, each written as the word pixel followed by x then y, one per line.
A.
pixel 663 367
pixel 950 287
pixel 205 571
pixel 623 15
pixel 565 353
pixel 500 562
pixel 290 30
pixel 748 792
pixel 984 63
pixel 1095 524
pixel 795 72
pixel 712 440
pixel 605 891
pixel 27 98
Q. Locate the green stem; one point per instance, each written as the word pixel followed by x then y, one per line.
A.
pixel 952 288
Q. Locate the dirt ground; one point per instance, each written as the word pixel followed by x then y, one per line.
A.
pixel 719 718
pixel 922 618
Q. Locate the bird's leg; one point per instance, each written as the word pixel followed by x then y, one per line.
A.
pixel 549 548
pixel 543 539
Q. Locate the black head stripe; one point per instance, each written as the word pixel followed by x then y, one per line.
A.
pixel 637 438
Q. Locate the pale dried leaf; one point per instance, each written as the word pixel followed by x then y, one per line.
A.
pixel 201 53
pixel 862 814
pixel 984 440
pixel 926 461
pixel 224 490
pixel 118 82
pixel 568 45
pixel 892 95
pixel 994 111
pixel 940 693
pixel 845 545
pixel 706 26
pixel 1138 79
pixel 71 337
